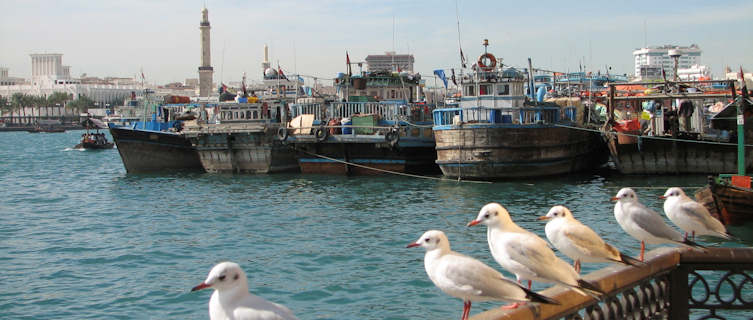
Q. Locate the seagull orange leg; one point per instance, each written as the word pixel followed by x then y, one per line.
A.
pixel 576 265
pixel 511 306
pixel 643 249
pixel 466 310
pixel 529 284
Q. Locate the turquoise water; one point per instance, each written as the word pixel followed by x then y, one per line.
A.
pixel 80 238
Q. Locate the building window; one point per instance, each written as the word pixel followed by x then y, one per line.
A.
pixel 484 89
pixel 470 91
pixel 503 89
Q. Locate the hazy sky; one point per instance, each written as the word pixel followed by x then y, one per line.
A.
pixel 119 38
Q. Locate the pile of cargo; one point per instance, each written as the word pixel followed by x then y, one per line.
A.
pixel 177 99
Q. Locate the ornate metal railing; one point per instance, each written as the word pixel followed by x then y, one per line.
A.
pixel 674 284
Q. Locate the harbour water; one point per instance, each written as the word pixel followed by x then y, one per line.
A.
pixel 80 238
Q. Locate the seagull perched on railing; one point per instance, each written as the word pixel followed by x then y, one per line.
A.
pixel 691 216
pixel 231 299
pixel 643 223
pixel 466 278
pixel 525 254
pixel 578 241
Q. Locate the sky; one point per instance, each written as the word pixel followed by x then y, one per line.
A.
pixel 120 38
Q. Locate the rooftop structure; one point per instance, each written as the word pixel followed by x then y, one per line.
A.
pixel 49 68
pixel 389 61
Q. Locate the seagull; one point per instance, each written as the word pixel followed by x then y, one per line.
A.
pixel 643 223
pixel 466 278
pixel 691 216
pixel 525 254
pixel 231 299
pixel 578 241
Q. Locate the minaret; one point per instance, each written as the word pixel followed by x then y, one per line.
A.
pixel 265 64
pixel 205 69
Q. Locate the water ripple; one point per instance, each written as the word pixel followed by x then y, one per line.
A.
pixel 79 238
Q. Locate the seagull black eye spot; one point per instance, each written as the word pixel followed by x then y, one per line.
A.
pixel 222 277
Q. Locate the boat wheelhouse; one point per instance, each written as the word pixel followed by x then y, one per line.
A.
pixel 496 133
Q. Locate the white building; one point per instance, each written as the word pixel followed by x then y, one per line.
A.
pixel 650 61
pixel 6 80
pixel 389 61
pixel 49 75
pixel 49 68
pixel 695 72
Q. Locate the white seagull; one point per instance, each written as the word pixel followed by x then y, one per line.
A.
pixel 691 216
pixel 466 278
pixel 643 223
pixel 232 301
pixel 578 241
pixel 525 254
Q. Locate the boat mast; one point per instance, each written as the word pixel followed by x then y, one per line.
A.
pixel 740 125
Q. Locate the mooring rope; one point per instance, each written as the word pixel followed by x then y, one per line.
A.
pixel 387 171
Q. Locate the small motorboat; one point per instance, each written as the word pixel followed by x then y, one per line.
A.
pixel 94 140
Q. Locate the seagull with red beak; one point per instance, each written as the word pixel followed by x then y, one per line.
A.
pixel 526 254
pixel 691 216
pixel 644 224
pixel 232 301
pixel 466 278
pixel 578 241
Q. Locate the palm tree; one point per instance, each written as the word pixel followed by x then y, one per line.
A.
pixel 58 98
pixel 4 105
pixel 17 102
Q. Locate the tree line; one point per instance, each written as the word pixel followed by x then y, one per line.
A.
pixel 19 102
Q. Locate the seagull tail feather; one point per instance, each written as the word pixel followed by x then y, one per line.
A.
pixel 590 289
pixel 628 260
pixel 535 297
pixel 695 245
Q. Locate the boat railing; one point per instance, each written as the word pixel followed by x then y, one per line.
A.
pixel 388 111
pixel 674 283
pixel 315 109
pixel 524 116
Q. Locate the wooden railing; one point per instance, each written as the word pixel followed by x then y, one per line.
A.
pixel 674 284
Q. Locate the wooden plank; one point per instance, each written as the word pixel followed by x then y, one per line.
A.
pixel 611 280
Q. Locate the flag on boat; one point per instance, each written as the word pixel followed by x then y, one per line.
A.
pixel 440 74
pixel 453 77
pixel 347 63
pixel 462 58
pixel 280 74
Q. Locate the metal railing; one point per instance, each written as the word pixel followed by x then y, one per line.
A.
pixel 389 111
pixel 674 284
pixel 527 115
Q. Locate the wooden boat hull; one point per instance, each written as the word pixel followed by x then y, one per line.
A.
pixel 94 146
pixel 368 156
pixel 153 151
pixel 732 205
pixel 249 151
pixel 491 152
pixel 660 156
